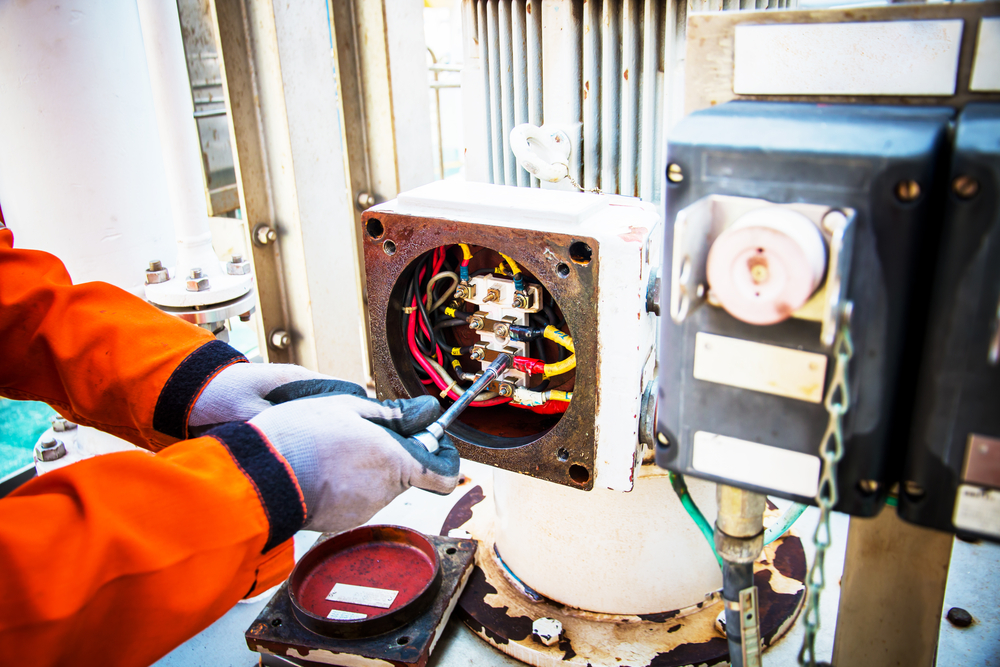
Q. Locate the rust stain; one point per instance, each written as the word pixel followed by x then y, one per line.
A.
pixel 634 235
pixel 626 75
pixel 461 513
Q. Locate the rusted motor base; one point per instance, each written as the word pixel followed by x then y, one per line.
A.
pixel 501 610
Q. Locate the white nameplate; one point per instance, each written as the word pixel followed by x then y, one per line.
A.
pixel 977 509
pixel 756 464
pixel 339 615
pixel 363 595
pixel 875 58
pixel 767 368
pixel 986 66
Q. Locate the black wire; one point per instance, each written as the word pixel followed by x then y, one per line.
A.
pixel 449 323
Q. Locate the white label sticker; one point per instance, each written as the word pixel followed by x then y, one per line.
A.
pixel 871 58
pixel 340 615
pixel 363 595
pixel 769 369
pixel 977 509
pixel 753 463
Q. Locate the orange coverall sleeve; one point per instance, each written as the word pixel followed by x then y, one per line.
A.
pixel 116 560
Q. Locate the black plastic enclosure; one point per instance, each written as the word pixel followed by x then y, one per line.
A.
pixel 841 156
pixel 958 395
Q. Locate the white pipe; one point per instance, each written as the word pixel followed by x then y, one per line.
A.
pixel 631 74
pixel 507 92
pixel 496 114
pixel 161 33
pixel 611 74
pixel 484 63
pixel 80 169
pixel 592 94
pixel 519 44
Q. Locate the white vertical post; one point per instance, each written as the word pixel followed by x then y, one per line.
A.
pixel 533 9
pixel 507 91
pixel 519 45
pixel 484 63
pixel 592 94
pixel 611 73
pixel 496 103
pixel 652 89
pixel 631 109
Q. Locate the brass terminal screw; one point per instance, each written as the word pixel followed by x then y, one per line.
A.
pixel 966 187
pixel 461 292
pixel 476 322
pixel 477 353
pixel 501 330
pixel 520 300
pixel 506 389
pixel 907 191
pixel 492 294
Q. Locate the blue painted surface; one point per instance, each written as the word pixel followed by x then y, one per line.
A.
pixel 21 422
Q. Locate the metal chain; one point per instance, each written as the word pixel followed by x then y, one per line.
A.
pixel 831 450
pixel 580 187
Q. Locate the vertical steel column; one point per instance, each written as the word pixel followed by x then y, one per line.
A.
pixel 519 47
pixel 611 73
pixel 495 97
pixel 533 9
pixel 631 106
pixel 592 93
pixel 484 63
pixel 652 92
pixel 507 91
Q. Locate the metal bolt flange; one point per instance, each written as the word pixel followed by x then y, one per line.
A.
pixel 279 339
pixel 49 449
pixel 156 273
pixel 197 281
pixel 237 266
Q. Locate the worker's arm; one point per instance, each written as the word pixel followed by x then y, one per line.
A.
pixel 115 560
pixel 97 354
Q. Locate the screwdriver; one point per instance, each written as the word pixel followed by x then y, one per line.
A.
pixel 432 436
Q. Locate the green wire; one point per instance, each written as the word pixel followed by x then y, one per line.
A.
pixel 680 488
pixel 789 517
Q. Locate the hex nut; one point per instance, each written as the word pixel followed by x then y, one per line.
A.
pixel 264 234
pixel 547 630
pixel 506 389
pixel 238 266
pixel 49 449
pixel 156 273
pixel 476 322
pixel 60 425
pixel 492 294
pixel 519 301
pixel 279 339
pixel 501 330
pixel 477 353
pixel 197 281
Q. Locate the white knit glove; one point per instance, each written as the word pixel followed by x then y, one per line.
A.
pixel 237 392
pixel 351 454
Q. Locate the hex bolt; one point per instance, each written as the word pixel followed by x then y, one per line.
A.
pixel 237 266
pixel 959 617
pixel 966 187
pixel 461 292
pixel 477 353
pixel 196 281
pixel 60 425
pixel 506 389
pixel 264 234
pixel 547 630
pixel 520 301
pixel 279 339
pixel 907 191
pixel 674 173
pixel 492 294
pixel 501 330
pixel 49 449
pixel 476 322
pixel 156 273
pixel 365 200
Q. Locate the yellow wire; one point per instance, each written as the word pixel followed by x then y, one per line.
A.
pixel 567 364
pixel 513 265
pixel 556 395
pixel 466 251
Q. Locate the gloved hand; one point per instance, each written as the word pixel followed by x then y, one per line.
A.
pixel 237 392
pixel 351 454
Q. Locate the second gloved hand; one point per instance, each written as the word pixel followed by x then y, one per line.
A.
pixel 352 455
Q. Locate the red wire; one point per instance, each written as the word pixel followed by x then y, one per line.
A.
pixel 411 335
